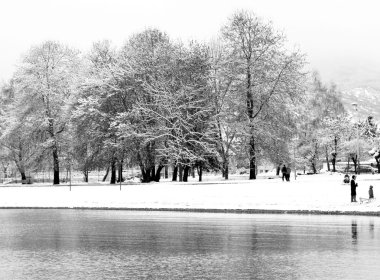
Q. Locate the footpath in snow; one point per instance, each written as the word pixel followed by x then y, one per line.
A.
pixel 322 193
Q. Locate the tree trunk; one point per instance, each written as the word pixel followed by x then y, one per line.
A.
pixel 175 173
pixel 252 155
pixel 200 171
pixel 85 175
pixel 150 161
pixel 158 173
pixel 333 161
pixel 186 173
pixel 327 160
pixel 106 175
pixel 23 177
pixel 144 175
pixel 20 166
pixel 148 174
pixel 314 168
pixel 278 170
pixel 120 173
pixel 180 171
pixel 252 159
pixel 152 173
pixel 145 172
pixel 225 168
pixel 354 160
pixel 335 154
pixel 378 163
pixel 5 171
pixel 166 172
pixel 56 166
pixel 192 172
pixel 113 172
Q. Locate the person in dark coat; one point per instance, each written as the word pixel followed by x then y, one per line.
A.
pixel 354 185
pixel 370 192
pixel 283 170
pixel 288 171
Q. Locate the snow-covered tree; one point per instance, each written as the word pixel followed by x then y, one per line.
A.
pixel 45 85
pixel 268 72
pixel 228 113
pixel 325 123
pixel 102 96
pixel 168 122
pixel 333 133
pixel 371 134
pixel 142 61
pixel 20 138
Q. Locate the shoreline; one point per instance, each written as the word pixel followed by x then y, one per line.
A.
pixel 323 194
pixel 205 210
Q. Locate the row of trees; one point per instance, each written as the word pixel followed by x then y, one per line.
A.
pixel 330 134
pixel 155 102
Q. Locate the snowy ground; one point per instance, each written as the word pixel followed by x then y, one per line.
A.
pixel 324 192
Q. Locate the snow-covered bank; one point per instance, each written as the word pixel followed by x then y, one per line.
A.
pixel 308 194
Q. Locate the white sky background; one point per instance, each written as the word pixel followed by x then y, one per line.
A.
pixel 341 38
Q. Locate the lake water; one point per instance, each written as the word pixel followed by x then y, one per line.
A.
pixel 89 244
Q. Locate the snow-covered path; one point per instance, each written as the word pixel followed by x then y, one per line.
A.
pixel 323 192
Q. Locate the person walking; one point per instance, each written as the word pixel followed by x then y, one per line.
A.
pixel 288 171
pixel 354 185
pixel 283 170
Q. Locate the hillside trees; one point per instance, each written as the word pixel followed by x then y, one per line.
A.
pixel 326 124
pixel 333 134
pixel 267 72
pixel 371 134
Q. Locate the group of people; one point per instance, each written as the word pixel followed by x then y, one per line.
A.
pixel 286 176
pixel 285 173
pixel 354 185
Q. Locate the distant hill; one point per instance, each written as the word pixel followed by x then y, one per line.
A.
pixel 368 100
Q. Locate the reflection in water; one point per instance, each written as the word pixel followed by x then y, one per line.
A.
pixel 354 229
pixel 372 228
pixel 74 244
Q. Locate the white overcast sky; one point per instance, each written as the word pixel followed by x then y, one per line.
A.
pixel 341 38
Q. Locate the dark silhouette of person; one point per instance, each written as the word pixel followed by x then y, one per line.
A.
pixel 288 171
pixel 354 185
pixel 284 171
pixel 370 192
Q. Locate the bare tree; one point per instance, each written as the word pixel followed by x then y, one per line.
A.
pixel 268 72
pixel 46 83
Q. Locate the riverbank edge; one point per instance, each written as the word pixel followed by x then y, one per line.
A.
pixel 205 210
